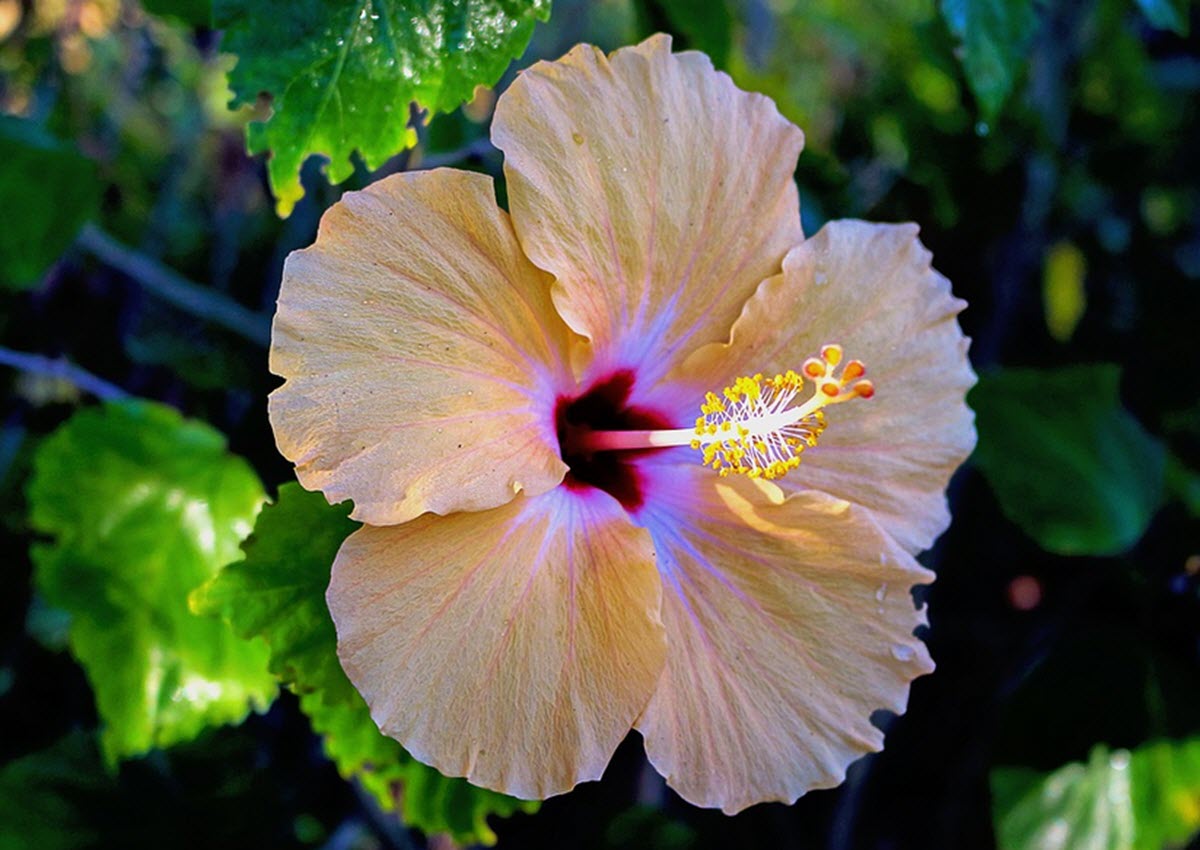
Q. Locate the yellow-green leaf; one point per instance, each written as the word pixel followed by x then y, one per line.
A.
pixel 1063 295
pixel 1144 799
pixel 144 506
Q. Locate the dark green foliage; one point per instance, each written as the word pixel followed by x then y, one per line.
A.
pixel 995 37
pixel 1167 14
pixel 195 12
pixel 1068 463
pixel 48 189
pixel 44 797
pixel 706 24
pixel 342 75
pixel 1045 149
pixel 215 792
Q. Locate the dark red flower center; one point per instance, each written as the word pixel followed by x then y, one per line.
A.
pixel 605 407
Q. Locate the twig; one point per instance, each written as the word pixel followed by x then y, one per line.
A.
pixel 478 147
pixel 38 364
pixel 172 287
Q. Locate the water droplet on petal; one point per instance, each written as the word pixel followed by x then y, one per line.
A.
pixel 820 278
pixel 903 652
pixel 881 593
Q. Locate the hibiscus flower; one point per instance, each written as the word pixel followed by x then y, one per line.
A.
pixel 567 427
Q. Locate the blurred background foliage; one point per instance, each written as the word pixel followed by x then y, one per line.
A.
pixel 1049 152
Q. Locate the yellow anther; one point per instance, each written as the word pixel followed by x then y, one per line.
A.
pixel 757 427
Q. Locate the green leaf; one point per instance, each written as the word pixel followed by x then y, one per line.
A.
pixel 1067 463
pixel 1167 14
pixel 49 190
pixel 43 797
pixel 1166 793
pixel 144 507
pixel 1147 799
pixel 707 25
pixel 995 36
pixel 1183 484
pixel 342 75
pixel 429 801
pixel 278 593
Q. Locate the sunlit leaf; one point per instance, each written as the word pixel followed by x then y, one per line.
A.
pixel 1147 799
pixel 48 190
pixel 1167 14
pixel 1166 793
pixel 1063 296
pixel 278 593
pixel 145 506
pixel 1066 461
pixel 995 36
pixel 342 75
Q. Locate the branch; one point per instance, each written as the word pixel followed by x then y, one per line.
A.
pixel 170 286
pixel 62 370
pixel 479 147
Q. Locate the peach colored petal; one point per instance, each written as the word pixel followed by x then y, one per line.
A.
pixel 789 621
pixel 420 351
pixel 656 192
pixel 870 288
pixel 514 646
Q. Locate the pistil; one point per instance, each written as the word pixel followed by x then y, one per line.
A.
pixel 754 427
